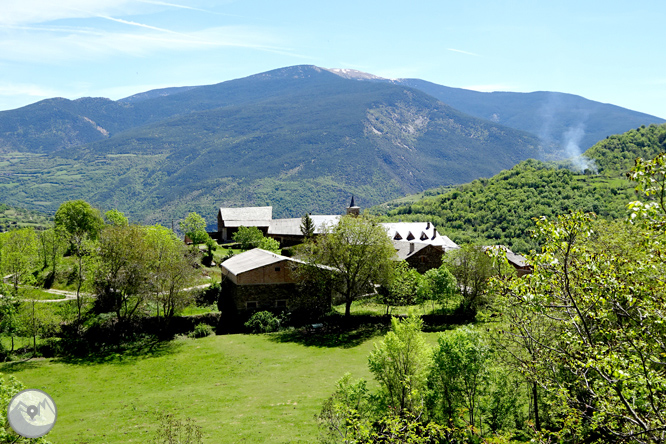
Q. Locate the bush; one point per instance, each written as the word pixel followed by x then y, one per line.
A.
pixel 201 331
pixel 263 322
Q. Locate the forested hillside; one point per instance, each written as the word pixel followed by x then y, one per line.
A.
pixel 12 218
pixel 500 210
pixel 303 140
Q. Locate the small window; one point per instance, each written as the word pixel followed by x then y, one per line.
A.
pixel 281 303
pixel 422 258
pixel 251 305
pixel 410 236
pixel 277 268
pixel 397 236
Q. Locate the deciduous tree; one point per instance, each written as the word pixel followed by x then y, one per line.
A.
pixel 400 365
pixel 358 254
pixel 194 227
pixel 82 224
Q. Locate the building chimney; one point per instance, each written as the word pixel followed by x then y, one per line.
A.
pixel 434 235
pixel 428 226
pixel 411 247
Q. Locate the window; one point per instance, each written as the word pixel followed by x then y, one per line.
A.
pixel 397 236
pixel 423 259
pixel 277 268
pixel 281 303
pixel 251 305
pixel 410 236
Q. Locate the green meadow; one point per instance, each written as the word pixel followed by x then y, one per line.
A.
pixel 238 388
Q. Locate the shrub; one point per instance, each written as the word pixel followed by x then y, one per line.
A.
pixel 201 331
pixel 263 322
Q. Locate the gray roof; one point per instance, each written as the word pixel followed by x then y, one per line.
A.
pixel 418 232
pixel 251 260
pixel 247 216
pixel 515 259
pixel 292 227
pixel 403 248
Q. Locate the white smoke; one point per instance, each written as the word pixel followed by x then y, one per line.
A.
pixel 571 143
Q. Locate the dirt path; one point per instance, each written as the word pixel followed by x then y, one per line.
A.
pixel 71 295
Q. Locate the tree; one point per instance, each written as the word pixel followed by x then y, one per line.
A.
pixel 438 285
pixel 472 268
pixel 650 177
pixel 458 374
pixel 82 224
pixel 9 309
pixel 115 217
pixel 358 254
pixel 194 227
pixel 402 288
pixel 252 237
pixel 307 226
pixel 400 365
pixel 52 246
pixel 601 292
pixel 248 237
pixel 19 257
pixel 122 278
pixel 171 270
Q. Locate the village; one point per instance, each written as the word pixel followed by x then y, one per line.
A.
pixel 257 279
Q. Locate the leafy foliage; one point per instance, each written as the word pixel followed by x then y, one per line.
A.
pixel 194 227
pixel 599 292
pixel 345 249
pixel 400 365
pixel 202 330
pixel 263 322
pixel 500 210
pixel 9 387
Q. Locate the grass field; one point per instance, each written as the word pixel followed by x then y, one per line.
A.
pixel 238 388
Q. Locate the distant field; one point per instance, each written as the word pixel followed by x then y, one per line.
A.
pixel 238 388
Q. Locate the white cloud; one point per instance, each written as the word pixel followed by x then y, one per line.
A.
pixel 62 44
pixel 21 12
pixel 463 52
pixel 25 89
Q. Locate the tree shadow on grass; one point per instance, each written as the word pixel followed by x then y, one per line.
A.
pixel 125 353
pixel 18 366
pixel 331 336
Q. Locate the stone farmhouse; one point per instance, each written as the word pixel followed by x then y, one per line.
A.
pixel 261 280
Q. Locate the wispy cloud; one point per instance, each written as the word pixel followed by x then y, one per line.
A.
pixel 25 89
pixel 460 51
pixel 62 44
pixel 174 5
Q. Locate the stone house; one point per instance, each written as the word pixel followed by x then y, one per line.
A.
pixel 422 257
pixel 258 280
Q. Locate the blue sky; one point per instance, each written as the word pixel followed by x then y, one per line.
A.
pixel 608 51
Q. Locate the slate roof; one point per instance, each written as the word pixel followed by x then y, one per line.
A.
pixel 418 232
pixel 247 216
pixel 403 248
pixel 292 227
pixel 515 259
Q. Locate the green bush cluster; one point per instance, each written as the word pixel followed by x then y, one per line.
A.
pixel 263 322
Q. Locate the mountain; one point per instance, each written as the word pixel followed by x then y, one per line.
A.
pixel 556 118
pixel 302 139
pixel 500 210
